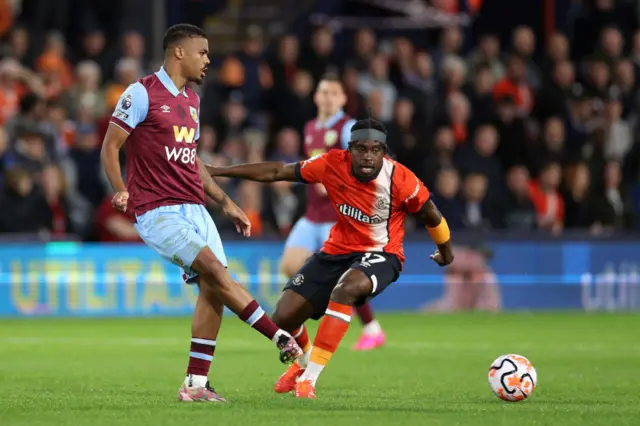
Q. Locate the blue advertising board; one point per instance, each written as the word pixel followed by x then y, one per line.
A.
pixel 72 279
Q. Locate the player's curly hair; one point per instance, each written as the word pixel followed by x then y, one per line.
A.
pixel 179 32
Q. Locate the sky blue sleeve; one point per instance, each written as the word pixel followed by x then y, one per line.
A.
pixel 132 107
pixel 345 137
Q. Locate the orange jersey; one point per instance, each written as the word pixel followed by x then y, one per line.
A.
pixel 370 215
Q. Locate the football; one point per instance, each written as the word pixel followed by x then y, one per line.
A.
pixel 512 377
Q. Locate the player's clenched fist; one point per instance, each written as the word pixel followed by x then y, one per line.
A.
pixel 120 200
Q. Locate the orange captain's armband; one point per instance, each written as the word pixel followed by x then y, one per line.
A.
pixel 440 234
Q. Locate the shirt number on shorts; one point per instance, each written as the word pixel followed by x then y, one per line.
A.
pixel 370 258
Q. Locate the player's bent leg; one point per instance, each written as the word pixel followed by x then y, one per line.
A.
pixel 205 325
pixel 353 286
pixel 291 312
pixel 236 298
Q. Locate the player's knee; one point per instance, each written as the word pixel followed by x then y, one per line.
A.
pixel 208 265
pixel 351 289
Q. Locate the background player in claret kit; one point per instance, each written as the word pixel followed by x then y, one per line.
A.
pixel 363 255
pixel 330 130
pixel 166 184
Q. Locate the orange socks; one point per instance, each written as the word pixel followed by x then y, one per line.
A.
pixel 302 337
pixel 332 329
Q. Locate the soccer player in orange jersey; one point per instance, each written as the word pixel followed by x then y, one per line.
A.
pixel 372 195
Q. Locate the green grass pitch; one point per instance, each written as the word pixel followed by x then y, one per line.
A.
pixel 432 372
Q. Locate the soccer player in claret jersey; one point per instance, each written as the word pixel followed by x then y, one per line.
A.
pixel 330 130
pixel 157 117
pixel 372 195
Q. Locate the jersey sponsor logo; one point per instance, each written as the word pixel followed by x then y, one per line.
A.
pixel 330 137
pixel 359 215
pixel 183 155
pixel 194 113
pixel 184 133
pixel 121 115
pixel 126 102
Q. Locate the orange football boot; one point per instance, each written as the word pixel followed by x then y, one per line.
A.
pixel 306 389
pixel 287 382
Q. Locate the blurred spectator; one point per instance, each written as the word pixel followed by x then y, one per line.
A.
pixel 85 93
pixel 625 88
pixel 613 204
pixel 85 155
pixel 478 210
pixel 24 208
pixel 57 211
pixel 404 137
pixel 319 57
pixel 579 200
pixel 447 188
pixel 449 46
pixel 404 63
pixel 295 106
pixel 557 52
pixel 551 148
pixel 515 84
pixel 514 145
pixel 283 199
pixel 247 71
pixel 54 67
pixel 524 45
pixel 454 74
pixel 545 194
pixel 520 214
pixel 553 99
pixel 611 45
pixel 364 45
pixel 127 71
pixel 458 117
pixel 480 158
pixel 377 79
pixel 487 54
pixel 619 138
pixel 18 46
pixel 480 95
pixel 355 106
pixel 441 156
pixel 284 66
pixel 133 47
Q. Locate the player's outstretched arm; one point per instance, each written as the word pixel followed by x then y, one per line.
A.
pixel 110 157
pixel 439 231
pixel 270 171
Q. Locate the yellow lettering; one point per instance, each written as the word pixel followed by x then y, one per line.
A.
pixel 184 134
pixel 73 285
pixel 155 288
pixel 54 272
pixel 25 302
pixel 128 271
pixel 96 302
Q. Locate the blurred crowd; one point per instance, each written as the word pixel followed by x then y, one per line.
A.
pixel 514 137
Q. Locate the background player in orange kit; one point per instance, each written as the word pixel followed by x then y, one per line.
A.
pixel 363 255
pixel 158 118
pixel 330 130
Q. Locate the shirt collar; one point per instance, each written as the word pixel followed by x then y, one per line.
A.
pixel 169 84
pixel 331 121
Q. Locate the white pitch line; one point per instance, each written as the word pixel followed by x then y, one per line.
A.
pixel 254 345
